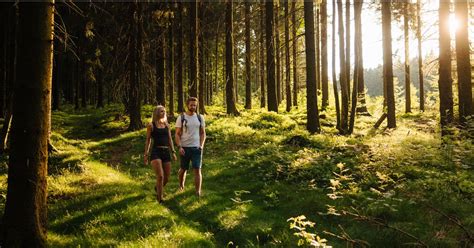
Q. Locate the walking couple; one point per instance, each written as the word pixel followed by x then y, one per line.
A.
pixel 190 137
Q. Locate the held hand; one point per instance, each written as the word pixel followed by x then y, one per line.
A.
pixel 181 151
pixel 174 157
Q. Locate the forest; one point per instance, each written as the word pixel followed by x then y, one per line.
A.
pixel 314 123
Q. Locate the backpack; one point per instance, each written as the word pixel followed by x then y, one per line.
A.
pixel 198 116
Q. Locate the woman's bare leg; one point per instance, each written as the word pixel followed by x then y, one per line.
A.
pixel 157 167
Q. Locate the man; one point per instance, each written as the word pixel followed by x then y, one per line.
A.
pixel 190 137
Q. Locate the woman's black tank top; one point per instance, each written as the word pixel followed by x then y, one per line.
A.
pixel 160 136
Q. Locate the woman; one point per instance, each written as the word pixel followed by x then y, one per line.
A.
pixel 160 158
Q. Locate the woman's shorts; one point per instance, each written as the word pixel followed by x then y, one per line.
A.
pixel 160 153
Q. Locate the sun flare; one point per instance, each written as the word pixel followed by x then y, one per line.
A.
pixel 453 24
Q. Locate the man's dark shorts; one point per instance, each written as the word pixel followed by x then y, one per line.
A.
pixel 193 155
pixel 160 153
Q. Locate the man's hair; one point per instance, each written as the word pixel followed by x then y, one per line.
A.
pixel 191 99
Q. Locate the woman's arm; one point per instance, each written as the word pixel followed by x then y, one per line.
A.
pixel 170 138
pixel 147 143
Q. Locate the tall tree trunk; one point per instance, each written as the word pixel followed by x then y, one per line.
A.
pixel 10 69
pixel 287 58
pixel 312 124
pixel 445 82
pixel 333 59
pixel 84 80
pixel 358 65
pixel 343 74
pixel 57 67
pixel 171 65
pixel 229 65
pixel 348 47
pixel 420 56
pixel 295 55
pixel 262 55
pixel 193 57
pixel 160 69
pixel 248 89
pixel 4 8
pixel 277 52
pixel 236 73
pixel 407 59
pixel 463 61
pixel 77 83
pixel 135 67
pixel 202 69
pixel 100 88
pixel 216 73
pixel 25 215
pixel 359 60
pixel 387 62
pixel 271 82
pixel 318 50
pixel 324 56
pixel 179 62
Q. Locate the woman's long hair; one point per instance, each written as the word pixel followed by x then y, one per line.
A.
pixel 156 115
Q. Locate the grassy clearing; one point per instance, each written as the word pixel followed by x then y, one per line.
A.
pixel 260 169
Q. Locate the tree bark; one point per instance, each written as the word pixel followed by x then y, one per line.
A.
pixel 262 56
pixel 359 67
pixel 318 50
pixel 248 86
pixel 334 76
pixel 135 67
pixel 324 56
pixel 179 62
pixel 77 83
pixel 4 8
pixel 420 57
pixel 277 52
pixel 295 55
pixel 229 65
pixel 407 59
pixel 83 76
pixel 287 58
pixel 270 48
pixel 445 81
pixel 387 62
pixel 160 69
pixel 57 67
pixel 25 215
pixel 171 63
pixel 348 48
pixel 100 88
pixel 193 57
pixel 312 124
pixel 343 74
pixel 463 61
pixel 202 69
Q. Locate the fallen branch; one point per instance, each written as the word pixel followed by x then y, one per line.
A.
pixel 380 120
pixel 454 220
pixel 379 222
pixel 347 238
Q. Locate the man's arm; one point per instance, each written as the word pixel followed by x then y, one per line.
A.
pixel 202 137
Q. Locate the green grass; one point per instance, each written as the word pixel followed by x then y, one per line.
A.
pixel 260 169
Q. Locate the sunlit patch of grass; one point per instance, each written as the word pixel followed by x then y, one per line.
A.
pixel 232 218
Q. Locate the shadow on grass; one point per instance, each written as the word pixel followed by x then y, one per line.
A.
pixel 93 125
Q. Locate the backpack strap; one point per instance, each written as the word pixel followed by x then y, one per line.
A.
pixel 182 120
pixel 198 116
pixel 200 120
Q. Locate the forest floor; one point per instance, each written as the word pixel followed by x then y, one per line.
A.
pixel 383 188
